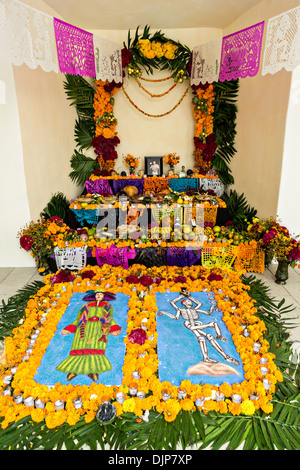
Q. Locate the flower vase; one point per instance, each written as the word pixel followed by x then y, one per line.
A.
pixel 171 171
pixel 281 274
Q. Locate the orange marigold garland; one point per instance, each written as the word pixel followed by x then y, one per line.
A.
pixel 105 139
pixel 204 139
pixel 142 391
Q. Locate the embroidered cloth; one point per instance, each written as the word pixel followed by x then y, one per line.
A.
pixel 75 49
pixel 108 60
pixel 70 258
pixel 99 186
pixel 27 36
pixel 206 62
pixel 282 49
pixel 240 56
pixel 115 256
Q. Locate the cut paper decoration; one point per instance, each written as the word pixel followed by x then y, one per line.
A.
pixel 108 60
pixel 75 49
pixel 241 51
pixel 70 258
pixel 206 62
pixel 282 48
pixel 27 36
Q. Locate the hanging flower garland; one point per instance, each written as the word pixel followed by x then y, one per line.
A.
pixel 149 52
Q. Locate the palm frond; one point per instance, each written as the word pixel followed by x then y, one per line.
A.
pixel 82 168
pixel 58 205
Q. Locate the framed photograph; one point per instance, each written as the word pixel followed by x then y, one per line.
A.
pixel 154 166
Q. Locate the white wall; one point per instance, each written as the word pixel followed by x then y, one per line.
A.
pixel 13 192
pixel 288 203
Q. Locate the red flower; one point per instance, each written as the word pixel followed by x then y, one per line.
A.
pixel 137 336
pixel 132 279
pixel 87 274
pixel 145 280
pixel 294 254
pixel 105 148
pixel 62 276
pixel 26 242
pixel 126 57
pixel 180 279
pixel 214 277
pixel 57 220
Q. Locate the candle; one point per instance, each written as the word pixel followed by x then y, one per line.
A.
pixel 263 360
pixel 165 395
pixel 6 391
pixel 29 401
pixel 199 400
pixel 18 399
pixel 236 398
pixel 256 347
pixel 13 370
pixel 220 396
pixel 120 397
pixel 105 399
pixel 181 393
pixel 133 388
pixel 136 375
pixel 141 394
pixel 264 370
pixel 266 384
pixel 77 403
pixel 7 379
pixel 39 403
pixel 59 405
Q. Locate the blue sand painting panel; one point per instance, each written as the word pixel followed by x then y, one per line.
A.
pixel 178 348
pixel 60 345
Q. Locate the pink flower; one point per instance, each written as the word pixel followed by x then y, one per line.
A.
pixel 137 336
pixel 294 254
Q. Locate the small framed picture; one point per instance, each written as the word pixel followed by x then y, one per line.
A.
pixel 154 166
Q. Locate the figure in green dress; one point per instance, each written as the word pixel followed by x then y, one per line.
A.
pixel 93 325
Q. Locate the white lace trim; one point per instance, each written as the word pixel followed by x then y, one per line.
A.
pixel 27 36
pixel 282 48
pixel 108 60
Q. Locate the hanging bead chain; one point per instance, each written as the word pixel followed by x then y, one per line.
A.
pixel 156 80
pixel 155 115
pixel 152 94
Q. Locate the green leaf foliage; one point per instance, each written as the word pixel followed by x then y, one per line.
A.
pixel 82 168
pixel 57 206
pixel 239 211
pixel 225 113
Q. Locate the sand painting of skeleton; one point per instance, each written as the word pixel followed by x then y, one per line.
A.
pixel 204 337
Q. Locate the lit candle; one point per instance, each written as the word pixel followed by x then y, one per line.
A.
pixel 181 393
pixel 165 395
pixel 133 388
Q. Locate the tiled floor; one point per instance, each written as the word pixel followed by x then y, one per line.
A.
pixel 12 279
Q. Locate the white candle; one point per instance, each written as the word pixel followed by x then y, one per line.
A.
pixel 7 379
pixel 266 384
pixel 141 394
pixel 136 375
pixel 29 401
pixel 264 370
pixel 120 397
pixel 256 347
pixel 39 403
pixel 77 403
pixel 59 405
pixel 263 360
pixel 18 399
pixel 236 398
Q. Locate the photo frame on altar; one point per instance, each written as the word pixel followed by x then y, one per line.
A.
pixel 154 166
